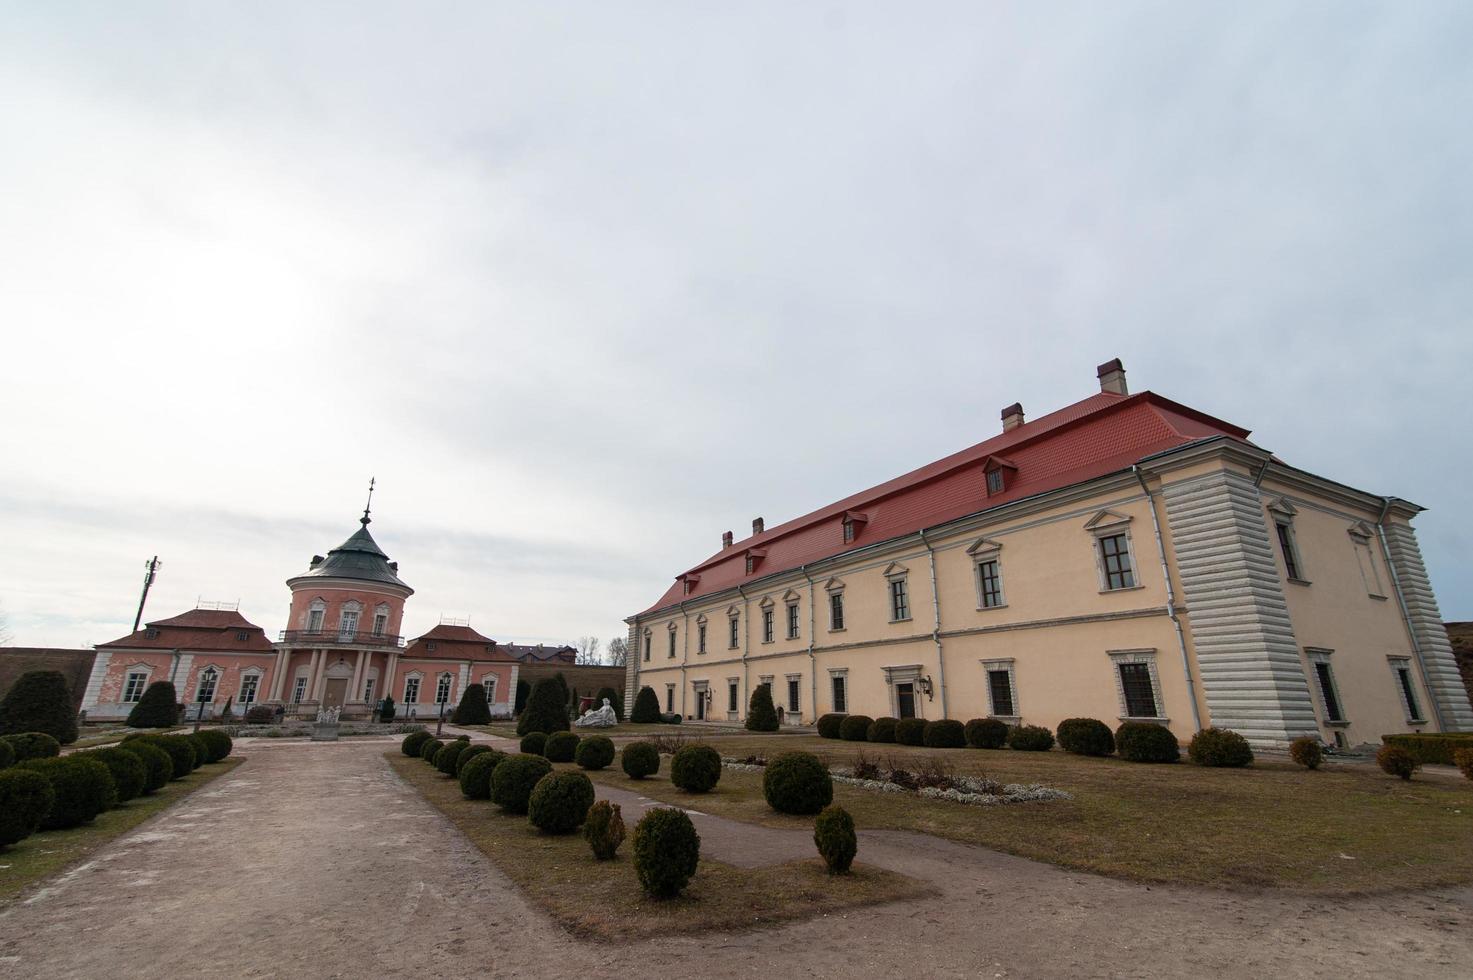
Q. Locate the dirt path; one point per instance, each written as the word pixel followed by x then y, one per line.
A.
pixel 316 861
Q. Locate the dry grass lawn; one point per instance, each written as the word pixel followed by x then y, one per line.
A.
pixel 603 900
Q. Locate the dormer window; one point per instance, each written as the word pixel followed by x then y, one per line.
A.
pixel 151 633
pixel 995 481
pixel 999 472
pixel 754 559
pixel 430 646
pixel 241 635
pixel 688 583
pixel 853 522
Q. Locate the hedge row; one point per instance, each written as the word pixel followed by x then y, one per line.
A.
pixel 1436 749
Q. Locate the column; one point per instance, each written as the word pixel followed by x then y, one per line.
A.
pixel 387 681
pixel 319 669
pixel 278 677
pixel 355 687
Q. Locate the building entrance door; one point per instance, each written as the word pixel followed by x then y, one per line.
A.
pixel 335 692
pixel 700 704
pixel 905 697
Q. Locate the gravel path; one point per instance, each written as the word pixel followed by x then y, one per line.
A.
pixel 314 860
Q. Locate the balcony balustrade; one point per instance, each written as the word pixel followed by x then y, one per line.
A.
pixel 340 638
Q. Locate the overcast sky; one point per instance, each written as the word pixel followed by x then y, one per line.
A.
pixel 585 285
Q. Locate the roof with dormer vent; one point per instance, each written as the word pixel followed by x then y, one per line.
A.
pixel 359 558
pixel 447 642
pixel 216 630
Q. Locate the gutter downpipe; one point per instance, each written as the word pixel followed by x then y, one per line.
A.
pixel 936 632
pixel 684 654
pixel 812 637
pixel 1406 616
pixel 1181 637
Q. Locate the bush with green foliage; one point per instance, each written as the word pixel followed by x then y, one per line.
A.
pixel 533 743
pixel 472 709
pixel 882 730
pixel 158 708
pixel 40 701
pixel 1431 747
pixel 604 830
pixel 646 707
pixel 475 772
pixel 524 691
pixel 386 710
pixel 828 725
pixel 1219 747
pixel 181 752
pixel 7 755
pixel 1307 752
pixel 32 745
pixel 547 708
pixel 130 775
pixel 446 758
pixel 561 747
pixel 833 835
pixel 1397 761
pixel 1463 759
pixel 514 778
pixel 761 715
pixel 616 701
pixel 639 759
pixel 413 742
pixel 945 733
pixel 559 802
pixel 667 850
pixel 911 731
pixel 26 798
pixel 83 787
pixel 201 748
pixel 220 744
pixel 594 752
pixel 430 749
pixel 1030 738
pixel 695 768
pixel 986 733
pixel 797 782
pixel 1146 741
pixel 260 714
pixel 466 755
pixel 1086 736
pixel 158 767
pixel 855 728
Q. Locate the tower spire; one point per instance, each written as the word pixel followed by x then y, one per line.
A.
pixel 365 519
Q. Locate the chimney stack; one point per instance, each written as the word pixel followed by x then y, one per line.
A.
pixel 726 540
pixel 1012 416
pixel 756 526
pixel 1112 377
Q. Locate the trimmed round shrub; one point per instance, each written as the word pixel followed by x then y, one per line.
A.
pixel 646 707
pixel 666 851
pixel 945 733
pixel 514 778
pixel 40 701
pixel 559 802
pixel 882 730
pixel 533 743
pixel 1219 747
pixel 429 749
pixel 696 768
pixel 83 789
pixel 639 759
pixel 1030 738
pixel 475 773
pixel 560 747
pixel 828 725
pixel 604 829
pixel 32 745
pixel 25 799
pixel 547 708
pixel 594 752
pixel 797 782
pixel 833 835
pixel 761 715
pixel 413 742
pixel 473 709
pixel 855 728
pixel 130 775
pixel 201 748
pixel 7 755
pixel 158 767
pixel 157 708
pixel 1146 741
pixel 1086 736
pixel 911 731
pixel 1307 752
pixel 986 733
pixel 467 754
pixel 1397 761
pixel 221 745
pixel 1463 759
pixel 446 758
pixel 181 752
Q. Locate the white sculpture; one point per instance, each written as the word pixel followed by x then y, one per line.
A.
pixel 598 717
pixel 328 716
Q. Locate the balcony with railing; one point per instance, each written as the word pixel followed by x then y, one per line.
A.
pixel 340 638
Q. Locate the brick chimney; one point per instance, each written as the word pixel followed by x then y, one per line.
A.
pixel 1112 377
pixel 726 540
pixel 1012 416
pixel 757 526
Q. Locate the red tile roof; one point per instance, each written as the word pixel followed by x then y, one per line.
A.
pixel 456 643
pixel 199 629
pixel 1100 435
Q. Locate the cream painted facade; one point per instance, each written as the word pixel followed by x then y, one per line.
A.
pixel 1212 616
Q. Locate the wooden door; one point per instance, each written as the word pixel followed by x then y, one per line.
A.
pixel 335 693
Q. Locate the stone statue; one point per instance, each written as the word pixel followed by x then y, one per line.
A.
pixel 599 717
pixel 328 716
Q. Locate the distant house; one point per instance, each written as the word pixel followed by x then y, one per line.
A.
pixel 541 654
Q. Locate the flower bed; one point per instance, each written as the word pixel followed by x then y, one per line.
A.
pixel 932 781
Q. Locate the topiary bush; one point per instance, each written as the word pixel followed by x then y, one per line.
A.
pixel 856 728
pixel 158 767
pixel 1030 738
pixel 1397 761
pixel 1463 759
pixel 158 708
pixel 945 733
pixel 429 749
pixel 447 757
pixel 1086 736
pixel 1146 741
pixel 986 733
pixel 475 772
pixel 559 802
pixel 833 835
pixel 911 731
pixel 84 788
pixel 828 725
pixel 220 744
pixel 26 798
pixel 181 752
pixel 533 743
pixel 1307 752
pixel 472 709
pixel 646 707
pixel 797 782
pixel 640 759
pixel 201 748
pixel 594 752
pixel 7 755
pixel 130 775
pixel 32 745
pixel 40 701
pixel 561 747
pixel 547 708
pixel 467 754
pixel 695 768
pixel 882 729
pixel 514 778
pixel 761 715
pixel 604 829
pixel 413 742
pixel 667 850
pixel 1219 747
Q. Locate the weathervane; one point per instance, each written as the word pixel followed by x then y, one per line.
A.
pixel 365 519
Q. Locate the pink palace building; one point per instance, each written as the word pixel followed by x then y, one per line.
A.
pixel 341 649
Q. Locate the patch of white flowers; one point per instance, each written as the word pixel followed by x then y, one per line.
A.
pixel 967 790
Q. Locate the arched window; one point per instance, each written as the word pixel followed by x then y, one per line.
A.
pixel 381 619
pixel 442 689
pixel 315 613
pixel 208 679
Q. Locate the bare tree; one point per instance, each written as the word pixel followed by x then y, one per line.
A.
pixel 618 652
pixel 587 647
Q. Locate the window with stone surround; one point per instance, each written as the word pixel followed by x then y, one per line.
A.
pixel 411 689
pixel 442 689
pixel 1401 671
pixel 133 686
pixel 299 689
pixel 204 692
pixel 250 684
pixel 1138 685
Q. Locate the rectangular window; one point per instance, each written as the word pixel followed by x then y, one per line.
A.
pixel 490 685
pixel 648 640
pixel 841 696
pixel 248 685
pixel 793 695
pixel 380 623
pixel 442 689
pixel 348 622
pixel 792 620
pixel 836 610
pixel 989 580
pixel 671 655
pixel 205 693
pixel 1286 546
pixel 411 691
pixel 701 638
pixel 368 690
pixel 670 699
pixel 1115 552
pixel 731 695
pixel 767 626
pixel 994 481
pixel 899 600
pixel 1140 694
pixel 848 531
pixel 1327 691
pixel 733 641
pixel 133 687
pixel 314 621
pixel 1404 678
pixel 1000 686
pixel 299 690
